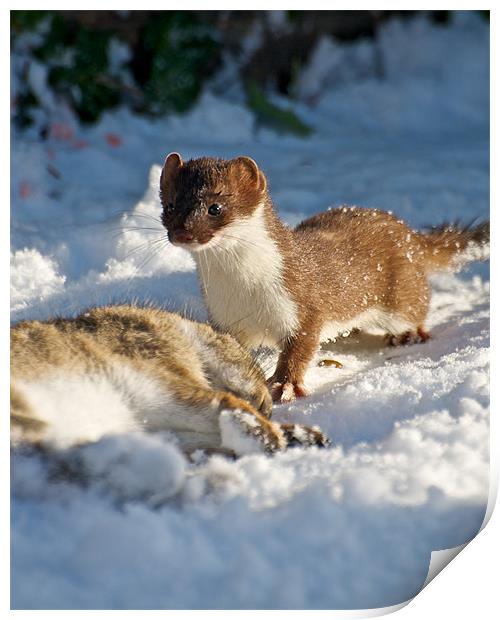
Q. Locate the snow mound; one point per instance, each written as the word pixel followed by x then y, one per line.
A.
pixel 136 467
pixel 33 277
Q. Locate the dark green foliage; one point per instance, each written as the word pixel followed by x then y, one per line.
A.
pixel 175 52
pixel 294 16
pixel 26 102
pixel 444 17
pixel 182 53
pixel 25 20
pixel 272 115
pixel 85 80
pixel 77 61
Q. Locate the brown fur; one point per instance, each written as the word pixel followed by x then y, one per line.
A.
pixel 238 184
pixel 336 265
pixel 444 244
pixel 158 345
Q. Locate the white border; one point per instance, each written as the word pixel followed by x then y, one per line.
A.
pixel 469 585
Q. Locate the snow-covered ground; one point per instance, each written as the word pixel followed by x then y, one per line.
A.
pixel 348 527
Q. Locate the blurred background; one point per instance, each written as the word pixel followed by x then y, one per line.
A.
pixel 158 62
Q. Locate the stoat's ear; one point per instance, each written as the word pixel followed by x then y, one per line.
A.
pixel 245 170
pixel 173 163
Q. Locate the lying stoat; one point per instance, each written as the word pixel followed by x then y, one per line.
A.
pixel 122 369
pixel 342 269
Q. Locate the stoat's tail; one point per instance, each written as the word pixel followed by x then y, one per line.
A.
pixel 453 245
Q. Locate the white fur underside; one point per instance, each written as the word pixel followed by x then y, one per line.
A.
pixel 374 320
pixel 81 408
pixel 85 407
pixel 242 277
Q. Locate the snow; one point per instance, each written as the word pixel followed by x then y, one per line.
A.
pixel 348 527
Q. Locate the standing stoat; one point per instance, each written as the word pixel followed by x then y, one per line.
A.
pixel 119 369
pixel 265 283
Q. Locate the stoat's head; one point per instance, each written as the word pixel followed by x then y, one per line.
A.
pixel 201 197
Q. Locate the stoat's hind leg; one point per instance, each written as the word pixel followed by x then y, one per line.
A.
pixel 408 337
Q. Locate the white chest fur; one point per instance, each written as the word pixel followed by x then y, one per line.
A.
pixel 242 277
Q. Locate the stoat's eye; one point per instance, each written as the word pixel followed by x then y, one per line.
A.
pixel 214 210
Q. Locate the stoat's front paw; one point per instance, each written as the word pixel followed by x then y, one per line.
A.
pixel 287 392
